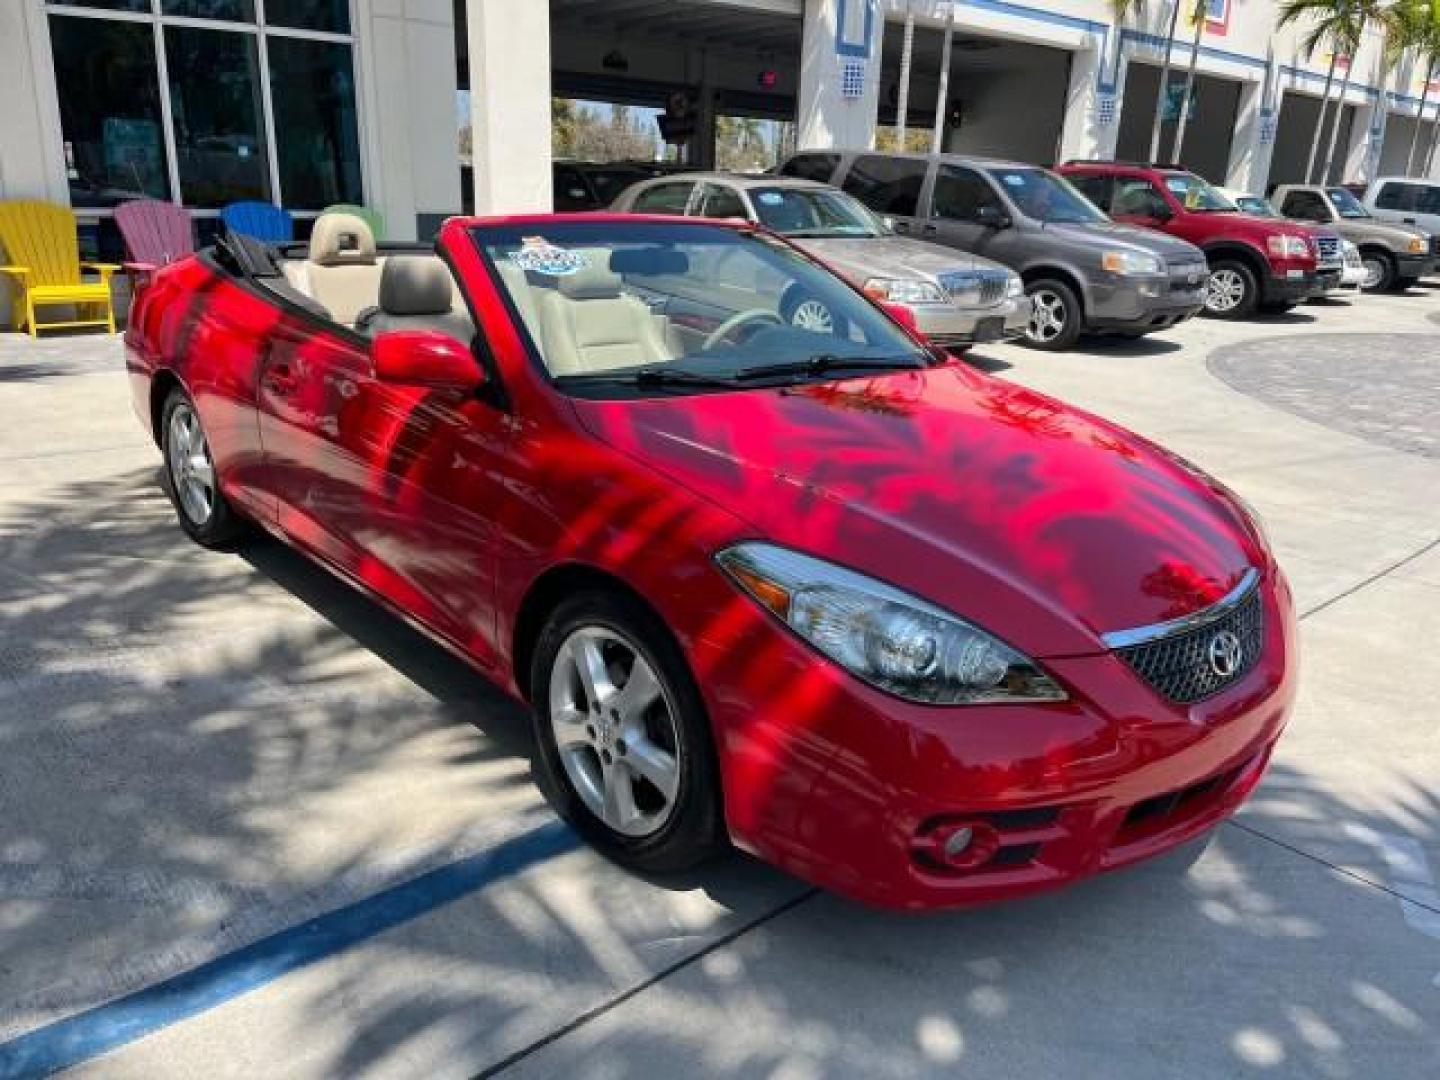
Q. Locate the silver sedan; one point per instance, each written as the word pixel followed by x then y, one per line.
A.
pixel 957 299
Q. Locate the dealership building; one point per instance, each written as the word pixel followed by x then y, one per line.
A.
pixel 312 102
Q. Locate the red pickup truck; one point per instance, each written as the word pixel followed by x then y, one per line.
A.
pixel 1255 263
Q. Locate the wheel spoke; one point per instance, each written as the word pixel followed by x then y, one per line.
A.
pixel 620 809
pixel 640 691
pixel 203 471
pixel 655 764
pixel 594 676
pixel 569 723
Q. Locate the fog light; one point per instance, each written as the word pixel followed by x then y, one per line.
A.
pixel 956 843
pixel 960 845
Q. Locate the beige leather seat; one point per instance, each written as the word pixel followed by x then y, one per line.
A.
pixel 342 271
pixel 417 292
pixel 588 324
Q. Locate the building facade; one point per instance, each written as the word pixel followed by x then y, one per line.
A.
pixel 312 102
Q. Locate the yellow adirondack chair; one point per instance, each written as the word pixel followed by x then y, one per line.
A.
pixel 40 243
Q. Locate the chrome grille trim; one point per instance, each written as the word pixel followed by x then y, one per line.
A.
pixel 1141 635
pixel 975 288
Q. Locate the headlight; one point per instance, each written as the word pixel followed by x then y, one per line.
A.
pixel 1014 287
pixel 904 291
pixel 1288 247
pixel 1131 262
pixel 891 640
pixel 1418 246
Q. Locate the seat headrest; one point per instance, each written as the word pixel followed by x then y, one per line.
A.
pixel 594 282
pixel 341 239
pixel 415 285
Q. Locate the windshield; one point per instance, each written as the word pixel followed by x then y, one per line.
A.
pixel 1254 204
pixel 1044 196
pixel 666 307
pixel 812 212
pixel 1346 204
pixel 1197 195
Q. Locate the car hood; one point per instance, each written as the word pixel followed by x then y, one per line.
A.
pixel 1133 237
pixel 862 257
pixel 1042 523
pixel 1380 231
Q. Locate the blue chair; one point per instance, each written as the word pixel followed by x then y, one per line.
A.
pixel 264 221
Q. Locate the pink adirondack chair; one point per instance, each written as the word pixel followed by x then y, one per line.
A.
pixel 156 233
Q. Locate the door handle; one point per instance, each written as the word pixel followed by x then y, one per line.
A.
pixel 279 378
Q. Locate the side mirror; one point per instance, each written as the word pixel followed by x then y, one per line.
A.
pixel 992 217
pixel 903 315
pixel 425 358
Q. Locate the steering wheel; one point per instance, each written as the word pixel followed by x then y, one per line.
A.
pixel 739 319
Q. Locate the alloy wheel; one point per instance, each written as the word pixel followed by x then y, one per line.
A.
pixel 192 471
pixel 814 316
pixel 1374 272
pixel 1224 291
pixel 1047 316
pixel 615 730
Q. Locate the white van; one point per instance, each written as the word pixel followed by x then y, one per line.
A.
pixel 1405 199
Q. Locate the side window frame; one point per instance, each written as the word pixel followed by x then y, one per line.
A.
pixel 700 201
pixel 1105 179
pixel 938 172
pixel 665 185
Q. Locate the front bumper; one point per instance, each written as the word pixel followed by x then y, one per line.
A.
pixel 1293 286
pixel 1145 303
pixel 1414 266
pixel 948 325
pixel 852 789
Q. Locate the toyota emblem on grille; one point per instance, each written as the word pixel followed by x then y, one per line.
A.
pixel 1225 654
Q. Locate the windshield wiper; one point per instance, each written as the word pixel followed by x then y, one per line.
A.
pixel 823 363
pixel 660 377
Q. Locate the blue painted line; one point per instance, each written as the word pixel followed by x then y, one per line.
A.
pixel 76 1039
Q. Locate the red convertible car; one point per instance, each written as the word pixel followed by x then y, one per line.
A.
pixel 919 635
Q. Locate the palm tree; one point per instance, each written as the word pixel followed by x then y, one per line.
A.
pixel 1415 29
pixel 1340 24
pixel 1159 120
pixel 1197 16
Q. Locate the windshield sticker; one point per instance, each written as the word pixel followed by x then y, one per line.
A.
pixel 1011 180
pixel 538 256
pixel 770 198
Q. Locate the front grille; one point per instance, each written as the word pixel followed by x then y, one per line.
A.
pixel 1435 246
pixel 1187 275
pixel 1161 812
pixel 1329 248
pixel 1180 666
pixel 975 288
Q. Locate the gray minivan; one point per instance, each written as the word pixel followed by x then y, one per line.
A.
pixel 1083 271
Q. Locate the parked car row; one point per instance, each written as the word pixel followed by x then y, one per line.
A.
pixel 1096 246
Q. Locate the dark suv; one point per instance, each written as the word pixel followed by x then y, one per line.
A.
pixel 1082 271
pixel 1255 262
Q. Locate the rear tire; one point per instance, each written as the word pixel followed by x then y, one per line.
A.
pixel 1056 317
pixel 191 479
pixel 630 764
pixel 1231 292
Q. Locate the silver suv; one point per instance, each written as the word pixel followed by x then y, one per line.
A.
pixel 1083 272
pixel 957 300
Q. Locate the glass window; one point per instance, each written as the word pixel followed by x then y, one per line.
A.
pixel 609 181
pixel 331 15
pixel 1137 197
pixel 317 140
pixel 1307 206
pixel 1255 205
pixel 887 185
pixel 108 5
pixel 109 110
pixel 723 202
pixel 1046 196
pixel 813 212
pixel 717 288
pixel 1093 186
pixel 569 189
pixel 1396 197
pixel 1346 204
pixel 215 103
pixel 664 199
pixel 820 167
pixel 1195 194
pixel 959 193
pixel 231 10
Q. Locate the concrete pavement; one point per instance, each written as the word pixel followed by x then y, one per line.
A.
pixel 202 752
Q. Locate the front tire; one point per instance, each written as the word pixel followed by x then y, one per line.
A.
pixel 1056 318
pixel 1380 271
pixel 191 479
pixel 1231 291
pixel 623 740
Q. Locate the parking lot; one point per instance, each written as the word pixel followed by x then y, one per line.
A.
pixel 252 825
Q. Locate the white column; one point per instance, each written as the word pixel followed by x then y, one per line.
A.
pixel 1355 155
pixel 1253 144
pixel 1092 125
pixel 413 148
pixel 840 74
pixel 510 104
